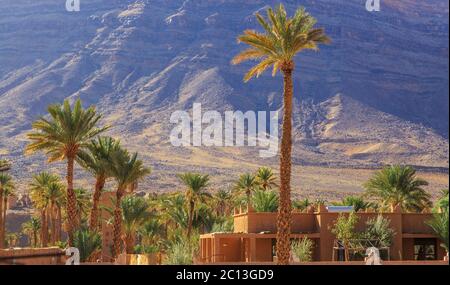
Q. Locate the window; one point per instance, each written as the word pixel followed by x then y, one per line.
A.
pixel 425 249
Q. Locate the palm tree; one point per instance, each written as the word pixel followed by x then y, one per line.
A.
pixel 126 170
pixel 358 203
pixel 398 186
pixel 282 40
pixel 96 160
pixel 195 193
pixel 54 196
pixel 247 184
pixel 89 244
pixel 266 179
pixel 134 214
pixel 265 201
pixel 62 137
pixel 4 165
pixel 302 205
pixel 83 204
pixel 439 224
pixel 31 229
pixel 6 186
pixel 222 199
pixel 39 196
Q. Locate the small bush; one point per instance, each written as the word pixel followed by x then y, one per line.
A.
pixel 302 249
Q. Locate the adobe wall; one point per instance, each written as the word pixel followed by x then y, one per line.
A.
pixel 32 256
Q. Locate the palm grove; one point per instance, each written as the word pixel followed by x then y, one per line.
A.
pixel 172 222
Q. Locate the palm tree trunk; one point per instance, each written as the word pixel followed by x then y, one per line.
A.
pixel 58 223
pixel 44 228
pixel 5 206
pixel 35 239
pixel 117 238
pixel 53 219
pixel 2 235
pixel 71 201
pixel 248 194
pixel 129 242
pixel 99 184
pixel 191 218
pixel 284 211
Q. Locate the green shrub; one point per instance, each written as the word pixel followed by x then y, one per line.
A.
pixel 302 249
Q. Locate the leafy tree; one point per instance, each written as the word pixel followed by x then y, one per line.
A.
pixel 344 230
pixel 67 132
pixel 379 232
pixel 282 40
pixel 398 186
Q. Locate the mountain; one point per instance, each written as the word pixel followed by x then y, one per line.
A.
pixel 377 95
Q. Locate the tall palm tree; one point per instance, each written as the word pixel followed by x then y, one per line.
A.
pixel 247 184
pixel 195 192
pixel 6 185
pixel 31 229
pixel 398 186
pixel 266 179
pixel 126 170
pixel 282 40
pixel 96 160
pixel 222 199
pixel 134 213
pixel 38 192
pixel 83 204
pixel 54 196
pixel 62 137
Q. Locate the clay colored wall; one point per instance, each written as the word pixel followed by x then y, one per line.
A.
pixel 32 256
pixel 258 222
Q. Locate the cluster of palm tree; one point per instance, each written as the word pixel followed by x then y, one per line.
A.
pixel 71 134
pixel 7 189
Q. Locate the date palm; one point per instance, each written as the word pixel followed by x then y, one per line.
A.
pixel 266 179
pixel 31 229
pixel 4 165
pixel 96 160
pixel 38 192
pixel 247 184
pixel 6 185
pixel 398 186
pixel 283 38
pixel 222 201
pixel 134 213
pixel 126 169
pixel 62 136
pixel 195 193
pixel 54 196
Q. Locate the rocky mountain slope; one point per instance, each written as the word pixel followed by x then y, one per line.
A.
pixel 377 95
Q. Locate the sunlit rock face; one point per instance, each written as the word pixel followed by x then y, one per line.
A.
pixel 378 94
